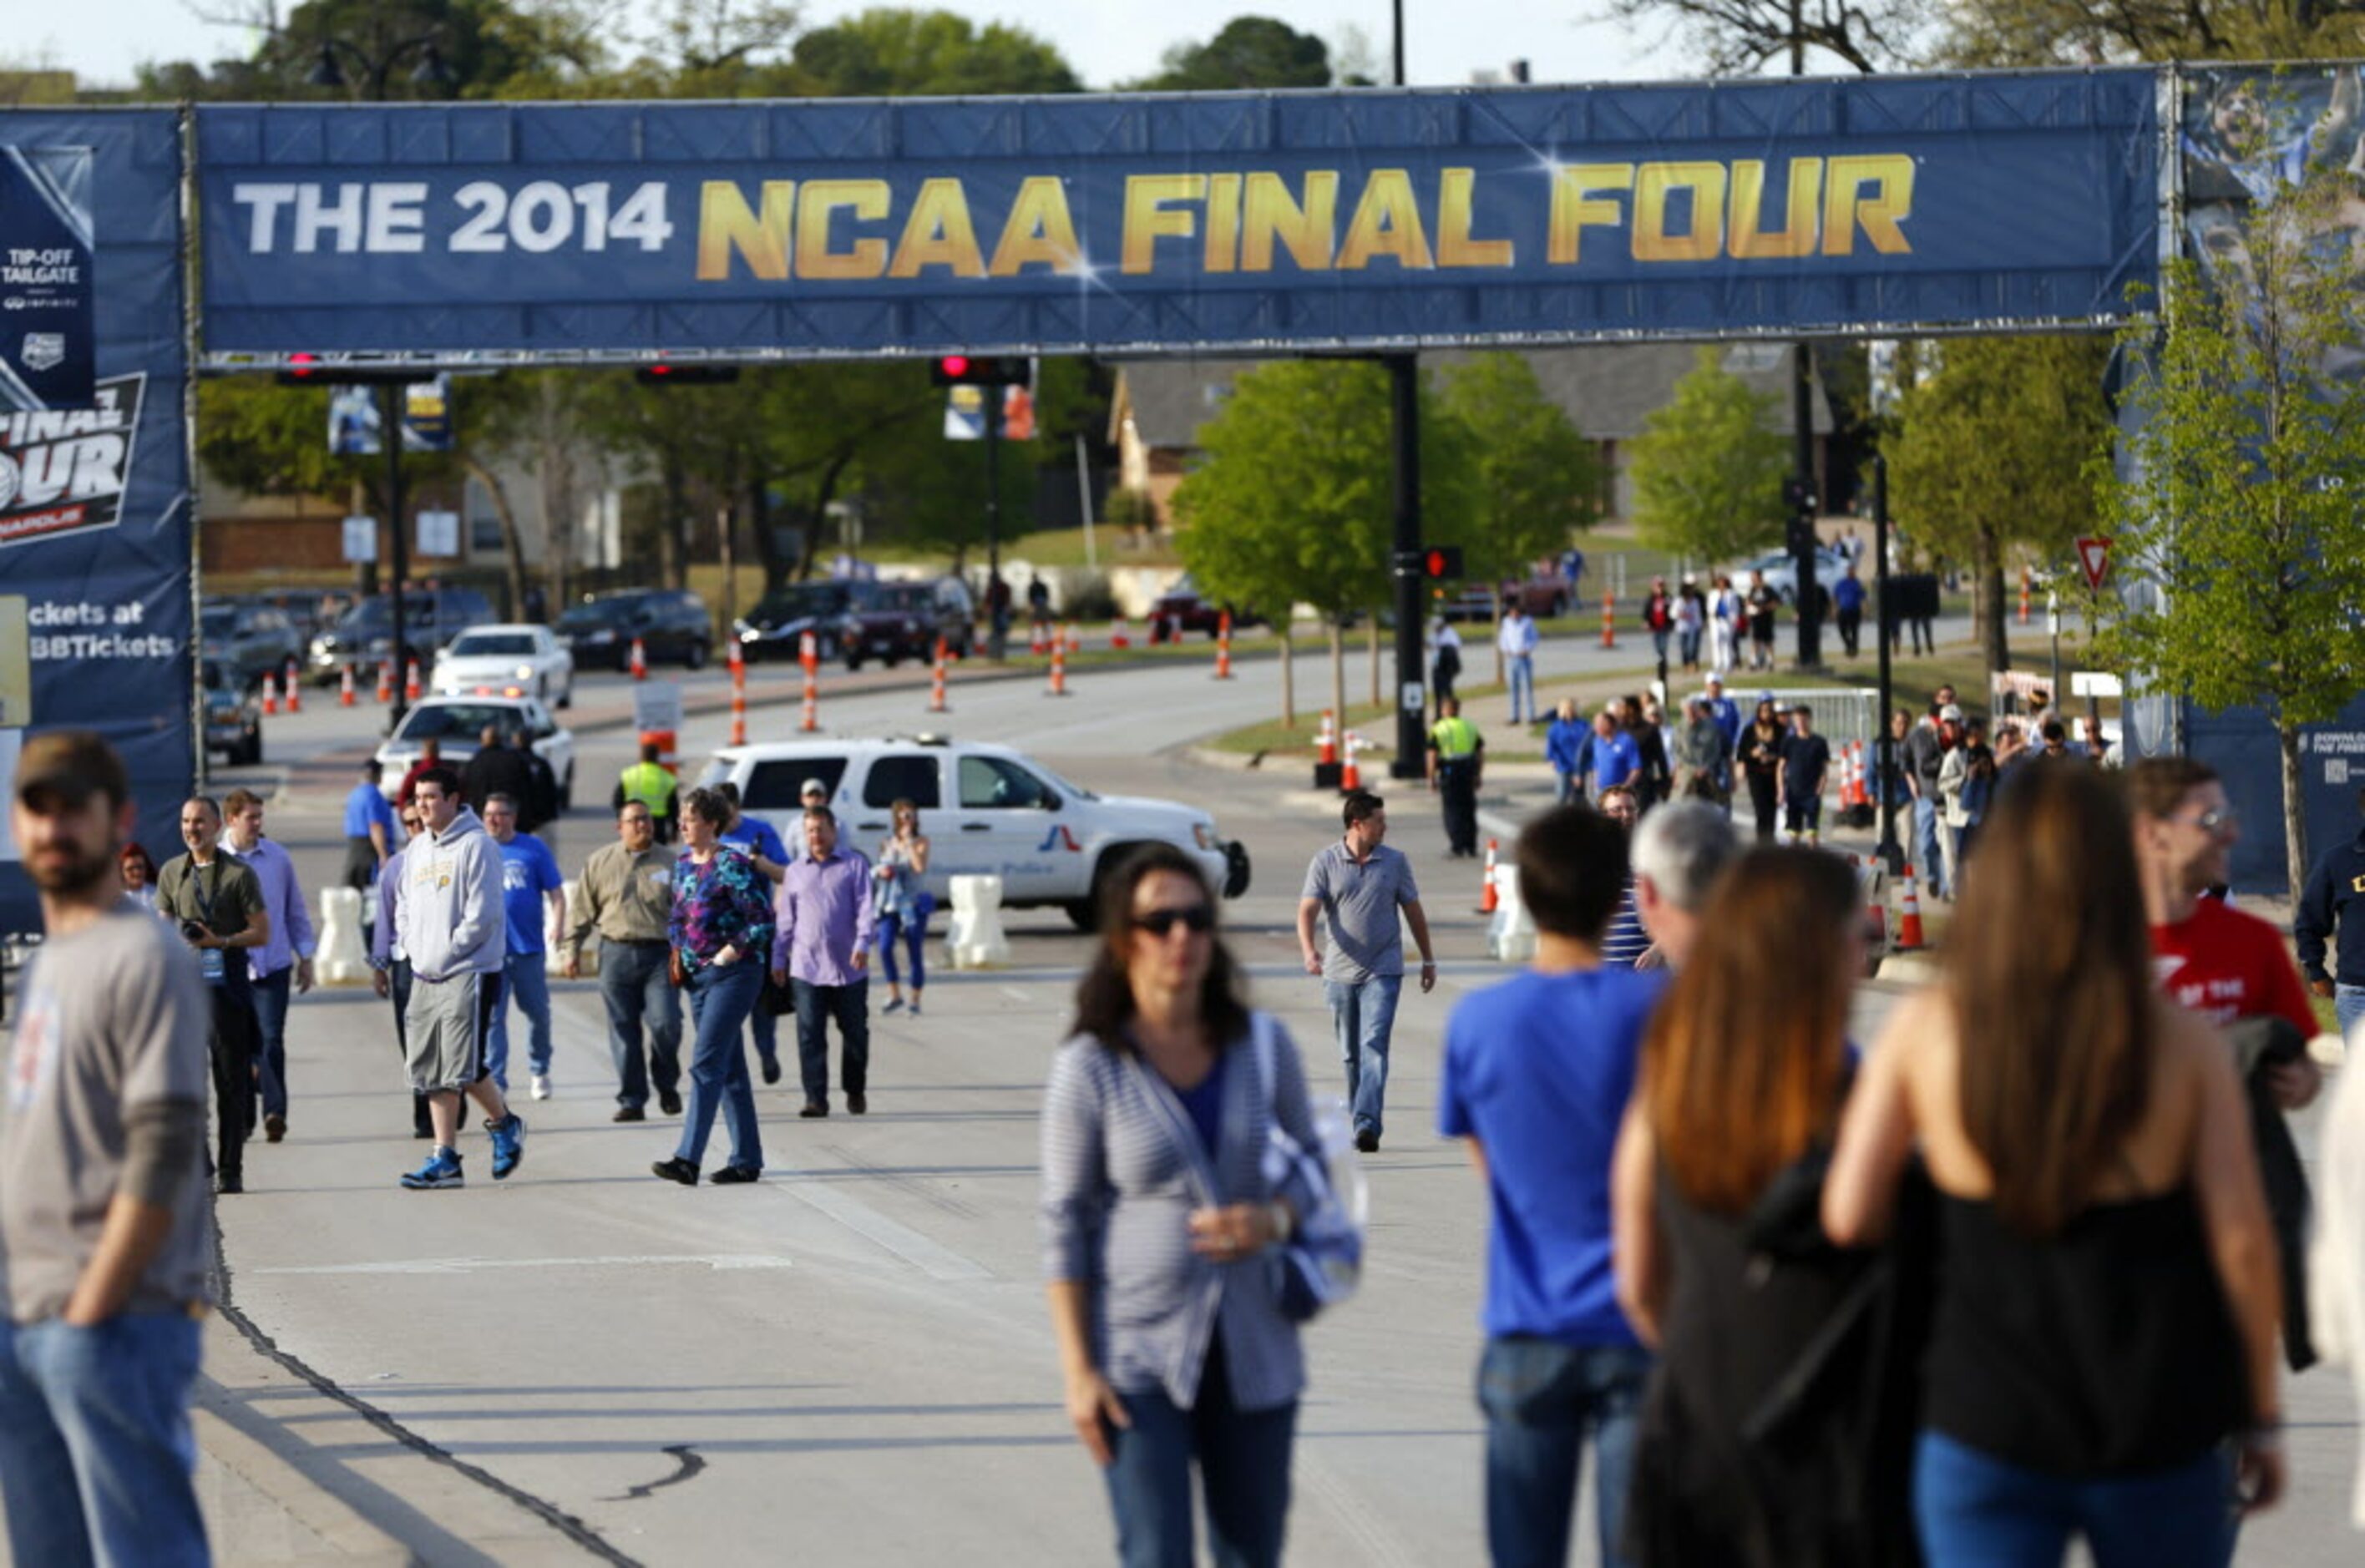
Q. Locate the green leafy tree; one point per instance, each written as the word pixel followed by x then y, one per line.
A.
pixel 1538 481
pixel 382 50
pixel 895 53
pixel 1709 467
pixel 2238 516
pixel 1988 456
pixel 1250 52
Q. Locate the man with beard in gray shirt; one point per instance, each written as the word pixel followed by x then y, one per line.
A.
pixel 105 1244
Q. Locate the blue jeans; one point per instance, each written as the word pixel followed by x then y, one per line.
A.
pixel 634 984
pixel 1974 1511
pixel 913 933
pixel 1243 1457
pixel 1521 668
pixel 1688 642
pixel 1362 1015
pixel 529 982
pixel 764 1029
pixel 719 1001
pixel 1541 1399
pixel 850 1006
pixel 270 996
pixel 96 1452
pixel 2348 1005
pixel 1925 844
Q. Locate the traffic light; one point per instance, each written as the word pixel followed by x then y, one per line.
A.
pixel 1442 563
pixel 1798 495
pixel 311 370
pixel 676 373
pixel 980 370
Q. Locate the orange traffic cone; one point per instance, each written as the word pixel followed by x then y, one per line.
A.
pixel 738 696
pixel 1224 647
pixel 1909 917
pixel 1608 621
pixel 410 682
pixel 809 656
pixel 1059 686
pixel 640 661
pixel 270 692
pixel 345 686
pixel 1073 638
pixel 1036 643
pixel 1348 779
pixel 384 680
pixel 1120 634
pixel 294 702
pixel 1489 899
pixel 936 682
pixel 1329 741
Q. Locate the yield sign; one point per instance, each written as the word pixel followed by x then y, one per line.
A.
pixel 2094 554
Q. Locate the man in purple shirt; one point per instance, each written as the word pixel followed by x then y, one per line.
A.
pixel 821 950
pixel 287 955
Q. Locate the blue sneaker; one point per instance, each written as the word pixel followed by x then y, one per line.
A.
pixel 509 1144
pixel 441 1169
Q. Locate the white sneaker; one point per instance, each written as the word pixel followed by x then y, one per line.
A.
pixel 541 1086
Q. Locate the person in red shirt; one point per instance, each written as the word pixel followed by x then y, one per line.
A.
pixel 2217 961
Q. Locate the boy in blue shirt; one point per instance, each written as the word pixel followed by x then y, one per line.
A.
pixel 533 896
pixel 1538 1072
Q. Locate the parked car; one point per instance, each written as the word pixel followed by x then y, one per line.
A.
pixel 233 715
pixel 1183 608
pixel 1781 572
pixel 893 622
pixel 672 624
pixel 249 641
pixel 456 722
pixel 775 628
pixel 507 660
pixel 430 618
pixel 990 812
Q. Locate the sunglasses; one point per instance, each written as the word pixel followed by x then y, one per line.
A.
pixel 2213 821
pixel 1198 917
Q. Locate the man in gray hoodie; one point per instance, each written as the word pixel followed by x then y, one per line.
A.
pixel 452 922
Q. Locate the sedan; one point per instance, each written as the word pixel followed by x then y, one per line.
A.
pixel 456 722
pixel 507 661
pixel 1781 572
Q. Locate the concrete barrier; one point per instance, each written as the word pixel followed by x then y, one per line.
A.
pixel 974 940
pixel 342 956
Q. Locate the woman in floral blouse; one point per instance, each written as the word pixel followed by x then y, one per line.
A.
pixel 722 936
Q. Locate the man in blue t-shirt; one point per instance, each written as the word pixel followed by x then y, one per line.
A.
pixel 533 894
pixel 754 835
pixel 1725 711
pixel 1615 757
pixel 369 830
pixel 1847 598
pixel 1538 1072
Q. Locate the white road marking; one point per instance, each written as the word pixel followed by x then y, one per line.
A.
pixel 718 1262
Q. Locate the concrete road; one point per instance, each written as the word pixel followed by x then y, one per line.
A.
pixel 849 1363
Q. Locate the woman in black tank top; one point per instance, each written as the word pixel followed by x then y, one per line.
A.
pixel 2101 1360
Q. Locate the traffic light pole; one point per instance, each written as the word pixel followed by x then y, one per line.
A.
pixel 997 627
pixel 389 435
pixel 1884 746
pixel 1404 377
pixel 1802 522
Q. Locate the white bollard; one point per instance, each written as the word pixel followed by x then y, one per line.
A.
pixel 342 957
pixel 975 940
pixel 1511 935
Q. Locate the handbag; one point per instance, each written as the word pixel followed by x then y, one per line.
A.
pixel 1322 1263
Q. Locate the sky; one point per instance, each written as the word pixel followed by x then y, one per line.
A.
pixel 1446 41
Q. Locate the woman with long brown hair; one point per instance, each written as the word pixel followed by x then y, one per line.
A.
pixel 2107 1292
pixel 1722 1259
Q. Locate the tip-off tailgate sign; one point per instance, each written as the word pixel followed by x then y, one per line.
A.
pixel 62 471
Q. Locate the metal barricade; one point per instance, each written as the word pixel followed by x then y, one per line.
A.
pixel 1842 714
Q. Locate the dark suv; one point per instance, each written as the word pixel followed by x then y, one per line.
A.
pixel 894 622
pixel 671 624
pixel 781 617
pixel 430 618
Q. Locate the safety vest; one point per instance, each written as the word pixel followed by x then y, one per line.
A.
pixel 652 785
pixel 1454 738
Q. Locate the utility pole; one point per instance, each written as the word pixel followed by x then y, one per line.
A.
pixel 389 434
pixel 1404 402
pixel 1802 427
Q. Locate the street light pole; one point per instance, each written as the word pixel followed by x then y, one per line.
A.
pixel 1404 403
pixel 389 435
pixel 1884 746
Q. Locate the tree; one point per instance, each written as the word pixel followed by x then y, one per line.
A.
pixel 1708 468
pixel 1740 38
pixel 1989 33
pixel 1989 451
pixel 891 53
pixel 1250 52
pixel 2235 511
pixel 380 47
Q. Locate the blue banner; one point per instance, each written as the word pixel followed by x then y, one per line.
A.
pixel 1216 222
pixel 94 513
pixel 47 358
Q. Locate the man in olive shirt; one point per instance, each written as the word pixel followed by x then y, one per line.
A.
pixel 217 901
pixel 105 1243
pixel 626 893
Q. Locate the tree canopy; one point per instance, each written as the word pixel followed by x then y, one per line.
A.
pixel 1250 52
pixel 1708 468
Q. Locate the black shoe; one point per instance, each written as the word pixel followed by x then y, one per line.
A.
pixel 274 1127
pixel 814 1108
pixel 677 1169
pixel 734 1175
pixel 420 1132
pixel 1367 1142
pixel 856 1104
pixel 772 1071
pixel 230 1185
pixel 629 1113
pixel 669 1102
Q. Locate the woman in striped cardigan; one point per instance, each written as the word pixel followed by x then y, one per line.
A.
pixel 1156 1215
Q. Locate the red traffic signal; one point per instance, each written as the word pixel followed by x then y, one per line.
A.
pixel 980 370
pixel 1442 563
pixel 310 370
pixel 675 373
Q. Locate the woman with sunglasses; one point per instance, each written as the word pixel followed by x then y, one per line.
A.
pixel 1156 1215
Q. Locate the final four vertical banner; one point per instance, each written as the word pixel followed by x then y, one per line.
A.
pixel 95 495
pixel 1239 222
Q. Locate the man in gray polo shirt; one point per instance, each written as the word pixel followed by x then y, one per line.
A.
pixel 1354 889
pixel 106 1244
